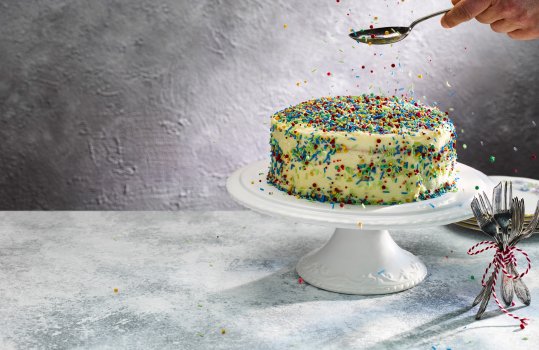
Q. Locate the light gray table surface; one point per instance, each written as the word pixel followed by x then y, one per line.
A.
pixel 183 277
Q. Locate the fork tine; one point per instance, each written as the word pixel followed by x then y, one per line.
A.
pixel 506 199
pixel 487 201
pixel 496 198
pixel 477 212
pixel 482 204
pixel 510 192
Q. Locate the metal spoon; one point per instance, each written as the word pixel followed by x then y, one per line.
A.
pixel 388 35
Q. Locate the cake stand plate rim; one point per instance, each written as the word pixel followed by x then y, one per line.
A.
pixel 244 187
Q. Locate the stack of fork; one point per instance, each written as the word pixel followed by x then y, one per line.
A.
pixel 503 221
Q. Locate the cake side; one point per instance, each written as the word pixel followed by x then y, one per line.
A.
pixel 362 149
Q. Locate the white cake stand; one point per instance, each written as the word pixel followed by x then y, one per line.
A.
pixel 361 257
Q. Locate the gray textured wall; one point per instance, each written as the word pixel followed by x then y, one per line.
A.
pixel 150 105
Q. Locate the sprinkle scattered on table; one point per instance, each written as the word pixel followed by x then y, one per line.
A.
pixel 300 280
pixel 223 331
pixel 115 290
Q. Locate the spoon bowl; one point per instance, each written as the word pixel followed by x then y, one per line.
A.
pixel 388 35
pixel 381 36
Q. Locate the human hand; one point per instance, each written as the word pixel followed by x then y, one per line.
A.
pixel 518 18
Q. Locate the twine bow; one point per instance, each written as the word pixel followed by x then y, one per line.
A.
pixel 500 261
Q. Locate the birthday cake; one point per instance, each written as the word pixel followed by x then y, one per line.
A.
pixel 362 150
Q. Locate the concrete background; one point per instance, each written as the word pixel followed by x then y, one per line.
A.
pixel 150 105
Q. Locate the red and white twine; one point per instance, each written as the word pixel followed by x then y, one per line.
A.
pixel 500 261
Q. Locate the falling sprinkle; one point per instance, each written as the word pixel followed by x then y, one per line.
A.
pixel 533 157
pixel 482 143
pixel 314 70
pixel 515 149
pixel 533 123
pixel 447 83
pixel 432 205
pixel 492 159
pixel 360 224
pixel 464 146
pixel 363 205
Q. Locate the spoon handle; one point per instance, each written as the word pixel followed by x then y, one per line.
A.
pixel 427 17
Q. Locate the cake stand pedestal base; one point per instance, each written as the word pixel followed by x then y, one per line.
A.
pixel 361 262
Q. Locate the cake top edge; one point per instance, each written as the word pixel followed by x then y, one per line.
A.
pixel 376 114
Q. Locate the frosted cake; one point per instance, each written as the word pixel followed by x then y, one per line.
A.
pixel 362 150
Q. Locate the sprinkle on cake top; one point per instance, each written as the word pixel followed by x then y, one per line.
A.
pixel 368 113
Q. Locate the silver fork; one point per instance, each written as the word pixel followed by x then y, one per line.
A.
pixel 518 232
pixel 521 290
pixel 483 213
pixel 530 229
pixel 502 208
pixel 482 210
pixel 509 285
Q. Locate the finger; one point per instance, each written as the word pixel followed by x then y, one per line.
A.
pixel 464 11
pixel 454 2
pixel 524 34
pixel 504 26
pixel 490 15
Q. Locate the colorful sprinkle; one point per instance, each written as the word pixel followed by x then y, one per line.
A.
pixel 492 159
